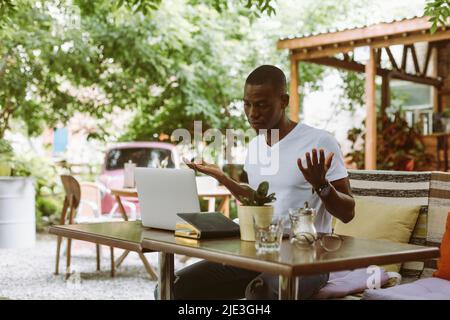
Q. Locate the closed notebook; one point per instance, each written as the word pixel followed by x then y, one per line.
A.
pixel 206 225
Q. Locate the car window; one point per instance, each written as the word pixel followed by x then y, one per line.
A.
pixel 143 157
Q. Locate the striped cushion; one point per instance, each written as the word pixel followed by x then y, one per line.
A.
pixel 397 187
pixel 438 207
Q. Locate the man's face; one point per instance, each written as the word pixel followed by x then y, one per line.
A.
pixel 264 105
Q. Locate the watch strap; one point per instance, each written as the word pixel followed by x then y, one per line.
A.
pixel 322 187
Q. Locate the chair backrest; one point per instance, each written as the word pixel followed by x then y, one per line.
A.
pixel 72 189
pixel 431 190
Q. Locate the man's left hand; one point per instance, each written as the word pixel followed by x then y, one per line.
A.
pixel 316 167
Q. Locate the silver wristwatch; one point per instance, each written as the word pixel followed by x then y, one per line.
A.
pixel 324 190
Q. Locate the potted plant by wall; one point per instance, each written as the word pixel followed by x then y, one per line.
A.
pixel 399 146
pixel 258 205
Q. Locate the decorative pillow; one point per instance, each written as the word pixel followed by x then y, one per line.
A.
pixel 443 270
pixel 383 221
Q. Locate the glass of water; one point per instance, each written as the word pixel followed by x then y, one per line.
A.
pixel 268 237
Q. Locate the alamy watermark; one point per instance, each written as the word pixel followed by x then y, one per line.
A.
pixel 215 142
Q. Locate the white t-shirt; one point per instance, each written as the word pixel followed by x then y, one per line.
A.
pixel 278 166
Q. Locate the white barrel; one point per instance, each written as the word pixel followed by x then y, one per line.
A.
pixel 17 212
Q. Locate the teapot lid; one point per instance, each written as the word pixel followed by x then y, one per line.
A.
pixel 307 210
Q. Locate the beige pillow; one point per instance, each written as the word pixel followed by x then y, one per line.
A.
pixel 378 220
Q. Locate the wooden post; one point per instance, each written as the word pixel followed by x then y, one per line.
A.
pixel 385 93
pixel 434 73
pixel 294 105
pixel 371 114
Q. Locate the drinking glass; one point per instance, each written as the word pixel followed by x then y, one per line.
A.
pixel 269 235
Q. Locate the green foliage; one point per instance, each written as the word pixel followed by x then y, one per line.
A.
pixel 172 65
pixel 176 61
pixel 48 210
pixel 438 11
pixel 258 197
pixel 5 148
pixel 399 147
pixel 146 6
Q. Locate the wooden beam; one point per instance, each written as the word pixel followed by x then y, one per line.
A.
pixel 379 52
pixel 427 58
pixel 404 58
pixel 391 58
pixel 314 53
pixel 385 93
pixel 370 160
pixel 374 31
pixel 415 61
pixel 326 51
pixel 347 65
pixel 416 79
pixel 358 67
pixel 294 99
pixel 413 38
pixel 435 72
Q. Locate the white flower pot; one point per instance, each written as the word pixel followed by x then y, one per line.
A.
pixel 17 212
pixel 263 215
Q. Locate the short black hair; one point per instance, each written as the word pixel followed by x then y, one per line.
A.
pixel 268 74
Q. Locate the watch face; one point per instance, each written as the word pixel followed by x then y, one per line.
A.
pixel 325 191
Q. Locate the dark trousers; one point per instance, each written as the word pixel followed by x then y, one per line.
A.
pixel 207 280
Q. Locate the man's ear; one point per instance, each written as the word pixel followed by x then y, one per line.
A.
pixel 284 100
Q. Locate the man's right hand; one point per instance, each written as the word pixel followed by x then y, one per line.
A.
pixel 206 168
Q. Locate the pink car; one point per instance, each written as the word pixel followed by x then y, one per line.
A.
pixel 143 154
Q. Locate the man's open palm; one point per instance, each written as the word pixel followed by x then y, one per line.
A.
pixel 204 167
pixel 316 168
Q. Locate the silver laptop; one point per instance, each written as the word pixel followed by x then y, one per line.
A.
pixel 163 193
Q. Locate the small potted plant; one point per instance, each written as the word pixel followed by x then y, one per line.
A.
pixel 256 205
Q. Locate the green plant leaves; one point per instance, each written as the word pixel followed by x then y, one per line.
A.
pixel 439 12
pixel 258 197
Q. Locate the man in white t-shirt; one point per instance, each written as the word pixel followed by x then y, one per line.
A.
pixel 302 159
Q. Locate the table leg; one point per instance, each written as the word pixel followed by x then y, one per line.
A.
pixel 121 208
pixel 287 288
pixel 113 271
pixel 166 275
pixel 148 267
pixel 98 255
pixel 224 206
pixel 211 204
pixel 121 258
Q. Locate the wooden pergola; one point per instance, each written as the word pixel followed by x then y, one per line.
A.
pixel 335 49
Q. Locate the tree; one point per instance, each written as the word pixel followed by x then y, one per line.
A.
pixel 108 54
pixel 438 11
pixel 182 60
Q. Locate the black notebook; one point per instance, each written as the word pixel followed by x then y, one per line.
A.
pixel 206 225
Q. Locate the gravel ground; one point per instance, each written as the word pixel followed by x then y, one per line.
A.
pixel 29 273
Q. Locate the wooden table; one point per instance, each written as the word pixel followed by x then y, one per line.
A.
pixel 220 192
pixel 289 263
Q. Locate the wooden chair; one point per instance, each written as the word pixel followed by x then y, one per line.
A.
pixel 71 205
